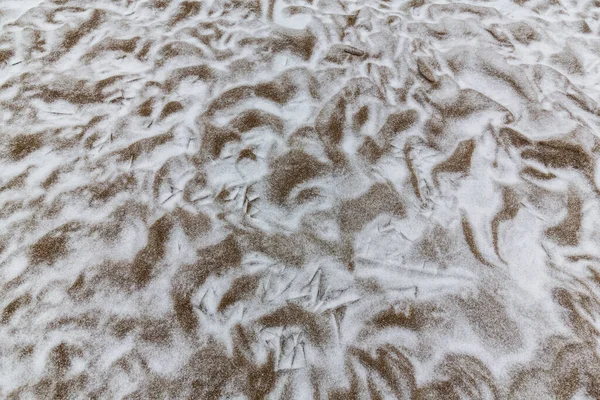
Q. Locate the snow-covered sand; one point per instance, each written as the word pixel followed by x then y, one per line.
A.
pixel 299 199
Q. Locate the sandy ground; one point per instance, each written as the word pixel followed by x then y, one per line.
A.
pixel 299 199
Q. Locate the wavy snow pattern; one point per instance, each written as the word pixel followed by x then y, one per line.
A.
pixel 299 199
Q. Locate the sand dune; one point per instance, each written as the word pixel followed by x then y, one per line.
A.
pixel 299 199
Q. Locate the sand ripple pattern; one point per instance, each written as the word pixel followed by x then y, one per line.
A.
pixel 299 199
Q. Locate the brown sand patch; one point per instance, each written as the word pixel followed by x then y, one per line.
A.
pixel 21 146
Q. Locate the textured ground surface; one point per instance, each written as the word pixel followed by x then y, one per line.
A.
pixel 299 199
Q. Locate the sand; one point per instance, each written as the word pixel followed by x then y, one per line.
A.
pixel 299 199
